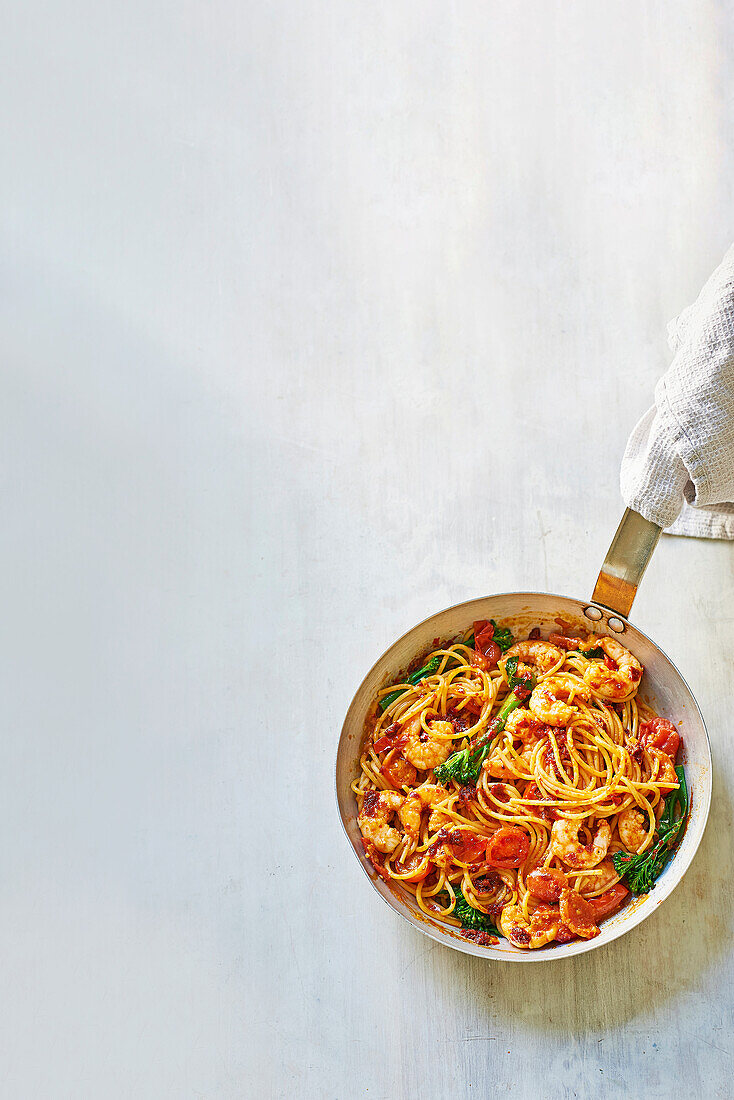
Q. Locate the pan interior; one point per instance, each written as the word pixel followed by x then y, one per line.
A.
pixel 663 688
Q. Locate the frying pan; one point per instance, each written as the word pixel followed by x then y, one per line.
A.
pixel 663 688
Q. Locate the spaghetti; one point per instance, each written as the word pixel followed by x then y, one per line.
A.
pixel 498 782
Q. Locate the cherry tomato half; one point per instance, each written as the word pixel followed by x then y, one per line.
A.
pixel 508 847
pixel 466 846
pixel 546 883
pixel 661 734
pixel 607 902
pixel 399 772
pixel 483 643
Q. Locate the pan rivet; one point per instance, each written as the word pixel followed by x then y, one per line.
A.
pixel 593 613
pixel 616 624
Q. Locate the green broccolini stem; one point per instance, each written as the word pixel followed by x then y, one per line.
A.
pixel 414 678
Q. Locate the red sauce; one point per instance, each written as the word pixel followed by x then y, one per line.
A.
pixel 564 934
pixel 549 757
pixel 370 803
pixel 459 719
pixel 478 935
pixel 391 738
pixel 486 883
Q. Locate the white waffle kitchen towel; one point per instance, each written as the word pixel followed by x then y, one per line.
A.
pixel 678 468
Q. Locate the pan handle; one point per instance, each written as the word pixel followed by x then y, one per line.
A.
pixel 626 561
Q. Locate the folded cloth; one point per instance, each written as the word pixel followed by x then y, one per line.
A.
pixel 678 468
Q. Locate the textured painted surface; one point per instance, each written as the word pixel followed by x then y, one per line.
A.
pixel 316 319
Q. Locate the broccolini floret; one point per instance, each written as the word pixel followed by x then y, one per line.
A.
pixel 471 917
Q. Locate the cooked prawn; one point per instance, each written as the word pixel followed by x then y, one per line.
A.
pixel 632 829
pixel 566 845
pixel 426 749
pixel 578 914
pixel 498 767
pixel 665 771
pixel 543 655
pixel 503 764
pixel 524 725
pixel 542 928
pixel 429 794
pixel 598 879
pixel 614 683
pixel 375 816
pixel 550 700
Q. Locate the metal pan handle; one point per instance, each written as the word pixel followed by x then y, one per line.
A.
pixel 626 561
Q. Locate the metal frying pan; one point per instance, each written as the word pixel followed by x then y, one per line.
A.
pixel 663 688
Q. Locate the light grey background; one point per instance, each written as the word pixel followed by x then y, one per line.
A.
pixel 316 318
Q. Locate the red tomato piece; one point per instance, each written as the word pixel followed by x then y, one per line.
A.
pixel 392 738
pixel 508 847
pixel 399 772
pixel 607 902
pixel 578 914
pixel 466 846
pixel 661 734
pixel 483 643
pixel 546 883
pixel 482 628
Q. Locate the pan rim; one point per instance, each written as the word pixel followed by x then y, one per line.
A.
pixel 563 951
